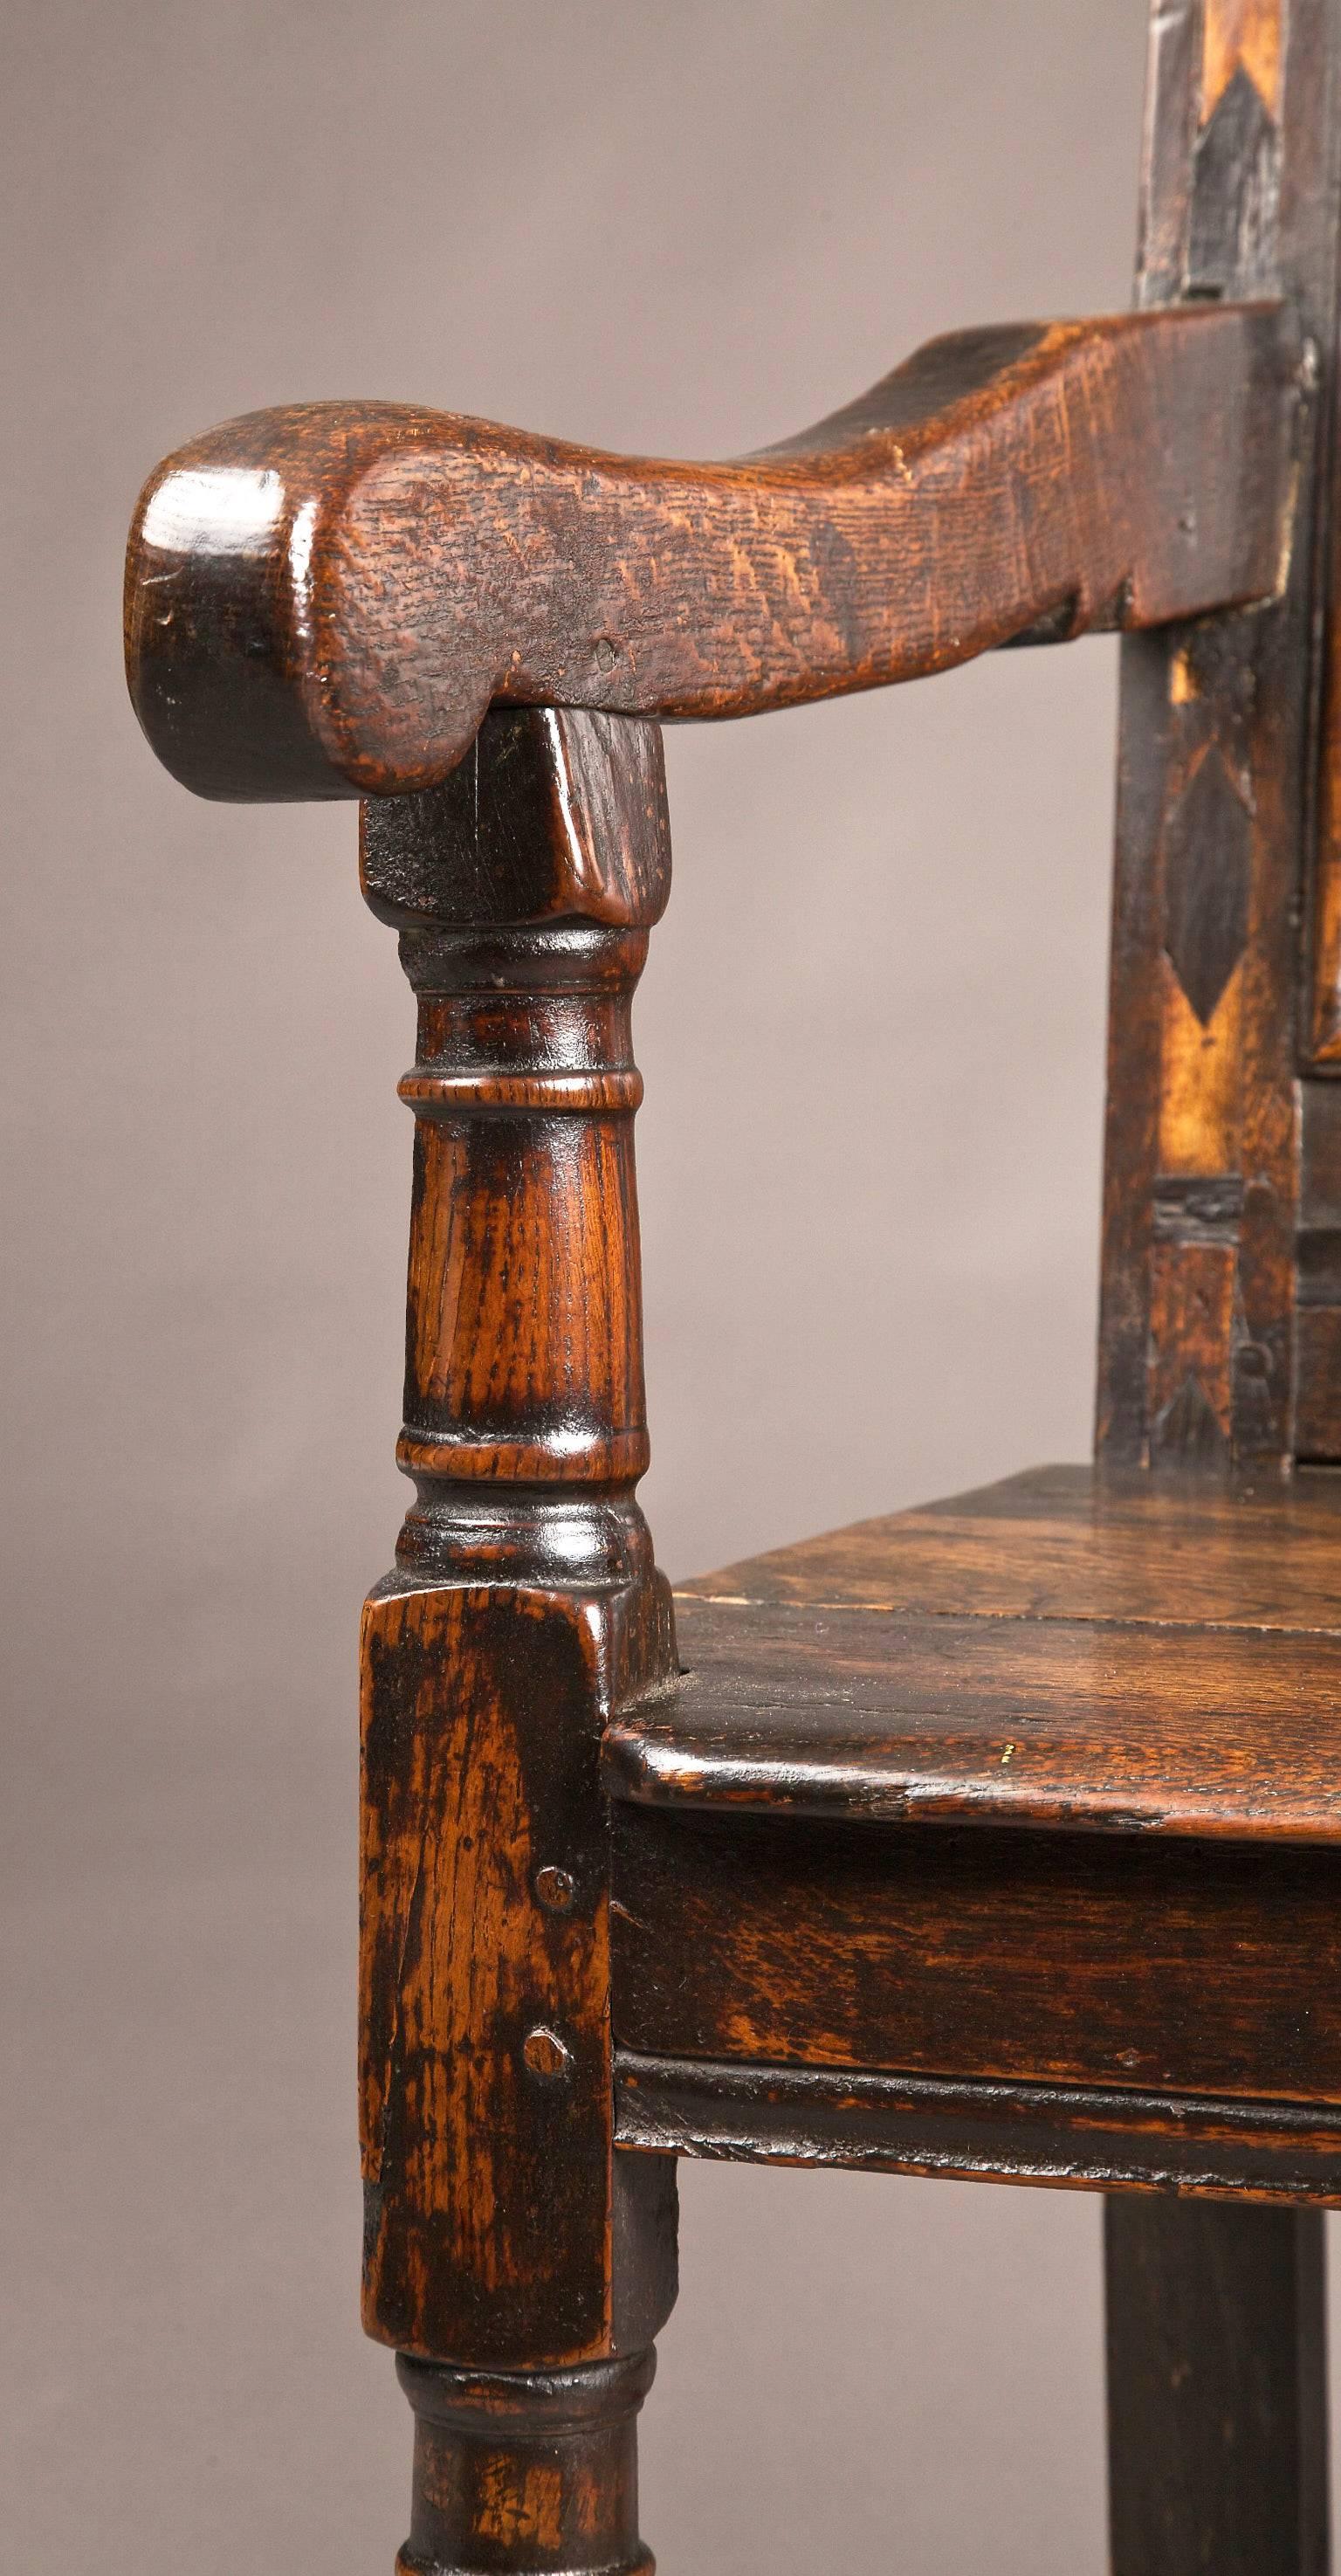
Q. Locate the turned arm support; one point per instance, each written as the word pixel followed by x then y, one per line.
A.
pixel 323 600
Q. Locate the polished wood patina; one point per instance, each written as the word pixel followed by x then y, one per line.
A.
pixel 999 1838
pixel 324 601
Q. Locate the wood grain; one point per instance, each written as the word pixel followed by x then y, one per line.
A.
pixel 1069 2137
pixel 490 2190
pixel 1052 1724
pixel 323 601
pixel 503 2231
pixel 1073 1958
pixel 1323 999
pixel 1318 1255
pixel 1217 2388
pixel 1318 1382
pixel 998 1838
pixel 1241 187
pixel 524 1364
pixel 1073 1542
pixel 548 816
pixel 526 2476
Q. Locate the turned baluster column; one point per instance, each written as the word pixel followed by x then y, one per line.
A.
pixel 515 2261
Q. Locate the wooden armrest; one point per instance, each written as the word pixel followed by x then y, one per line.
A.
pixel 323 600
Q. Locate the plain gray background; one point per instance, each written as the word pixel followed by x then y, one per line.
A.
pixel 872 1035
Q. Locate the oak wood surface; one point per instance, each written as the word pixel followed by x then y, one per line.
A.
pixel 1217 2390
pixel 1241 188
pixel 1204 1967
pixel 491 2195
pixel 323 601
pixel 1145 1710
pixel 1088 2138
pixel 1323 996
pixel 1071 1542
pixel 794 1933
pixel 1064 1648
pixel 1157 1664
pixel 503 2229
pixel 1048 1723
pixel 1207 1366
pixel 528 2475
pixel 1318 1272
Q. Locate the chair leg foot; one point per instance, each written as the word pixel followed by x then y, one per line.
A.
pixel 532 2474
pixel 1217 2389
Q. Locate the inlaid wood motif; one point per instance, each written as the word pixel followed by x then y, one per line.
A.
pixel 1236 170
pixel 1207 881
pixel 1241 43
pixel 1000 1838
pixel 1198 1337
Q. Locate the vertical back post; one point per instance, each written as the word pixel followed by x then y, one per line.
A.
pixel 1216 795
pixel 1216 2339
pixel 1217 2375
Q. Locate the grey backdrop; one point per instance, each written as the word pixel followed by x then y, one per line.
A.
pixel 871 1032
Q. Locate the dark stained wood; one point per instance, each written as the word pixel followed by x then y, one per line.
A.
pixel 1318 1252
pixel 1217 2385
pixel 1323 1026
pixel 502 2229
pixel 1324 1029
pixel 1084 2138
pixel 1047 1723
pixel 1325 1020
pixel 1069 1958
pixel 997 1838
pixel 1209 1367
pixel 1318 1389
pixel 323 601
pixel 572 821
pixel 524 1326
pixel 1071 1543
pixel 489 2178
pixel 1215 791
pixel 526 2476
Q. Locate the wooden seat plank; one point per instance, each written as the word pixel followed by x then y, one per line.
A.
pixel 1063 1542
pixel 1202 1732
pixel 1060 1650
pixel 1136 1687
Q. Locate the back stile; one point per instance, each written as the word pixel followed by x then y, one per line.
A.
pixel 1217 745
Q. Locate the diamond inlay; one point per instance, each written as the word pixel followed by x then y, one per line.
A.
pixel 1207 875
pixel 1234 192
pixel 1240 35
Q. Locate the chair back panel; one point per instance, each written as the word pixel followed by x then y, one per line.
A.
pixel 1210 1355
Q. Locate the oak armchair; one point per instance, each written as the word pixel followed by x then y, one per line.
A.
pixel 997 1839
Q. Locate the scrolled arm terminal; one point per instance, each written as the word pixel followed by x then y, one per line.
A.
pixel 323 600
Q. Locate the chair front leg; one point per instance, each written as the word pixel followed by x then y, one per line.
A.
pixel 516 2263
